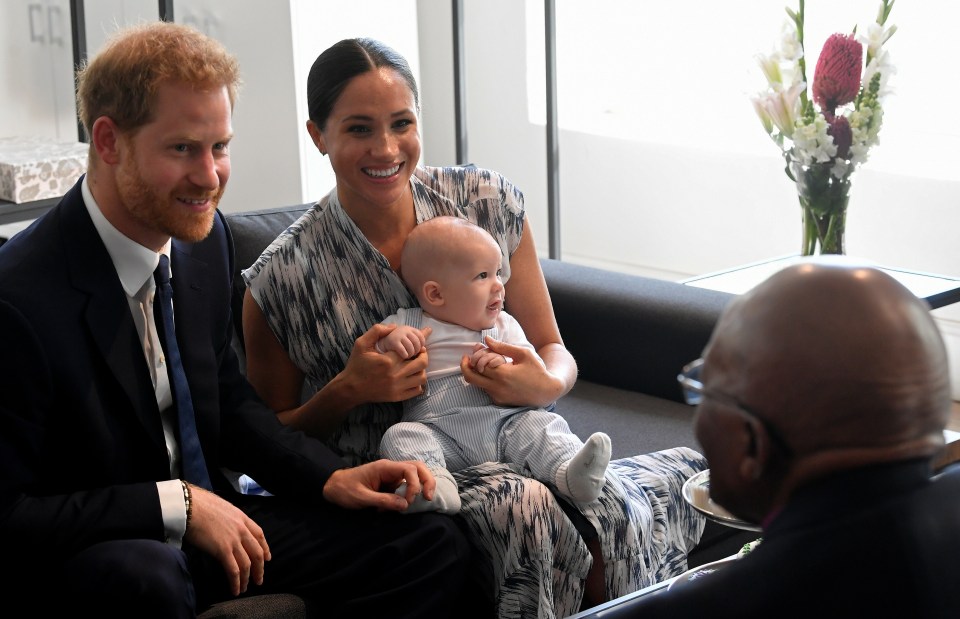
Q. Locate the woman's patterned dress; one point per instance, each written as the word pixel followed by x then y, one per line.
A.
pixel 321 285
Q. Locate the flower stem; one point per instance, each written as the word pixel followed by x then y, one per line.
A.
pixel 810 233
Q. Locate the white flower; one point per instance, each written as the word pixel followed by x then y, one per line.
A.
pixel 812 143
pixel 875 38
pixel 866 121
pixel 790 48
pixel 841 169
pixel 770 65
pixel 781 108
pixel 880 64
pixel 761 111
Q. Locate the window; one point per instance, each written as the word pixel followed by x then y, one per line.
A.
pixel 682 73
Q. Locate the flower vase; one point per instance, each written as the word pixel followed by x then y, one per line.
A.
pixel 823 202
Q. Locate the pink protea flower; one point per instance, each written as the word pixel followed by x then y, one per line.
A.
pixel 837 78
pixel 839 129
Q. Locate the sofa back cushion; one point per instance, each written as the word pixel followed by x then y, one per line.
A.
pixel 628 331
pixel 253 231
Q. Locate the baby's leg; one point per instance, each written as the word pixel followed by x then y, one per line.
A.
pixel 543 443
pixel 416 441
pixel 582 477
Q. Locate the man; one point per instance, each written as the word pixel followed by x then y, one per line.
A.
pixel 95 509
pixel 823 395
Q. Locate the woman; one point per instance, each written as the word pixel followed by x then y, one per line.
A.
pixel 311 317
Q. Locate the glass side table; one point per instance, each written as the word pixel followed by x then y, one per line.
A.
pixel 937 290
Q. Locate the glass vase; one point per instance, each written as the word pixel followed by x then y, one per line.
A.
pixel 823 203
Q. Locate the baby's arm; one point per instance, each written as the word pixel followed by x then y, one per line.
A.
pixel 405 340
pixel 483 358
pixel 510 333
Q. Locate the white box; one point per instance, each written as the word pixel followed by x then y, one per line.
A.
pixel 34 168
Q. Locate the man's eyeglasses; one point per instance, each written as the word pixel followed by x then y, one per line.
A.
pixel 694 393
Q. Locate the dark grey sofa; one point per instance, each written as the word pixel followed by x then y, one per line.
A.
pixel 630 336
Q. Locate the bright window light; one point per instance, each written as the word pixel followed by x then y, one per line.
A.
pixel 682 73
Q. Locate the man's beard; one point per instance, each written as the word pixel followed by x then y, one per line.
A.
pixel 157 211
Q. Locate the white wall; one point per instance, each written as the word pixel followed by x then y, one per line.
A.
pixel 36 70
pixel 437 105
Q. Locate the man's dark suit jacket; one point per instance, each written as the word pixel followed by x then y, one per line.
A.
pixel 877 542
pixel 81 444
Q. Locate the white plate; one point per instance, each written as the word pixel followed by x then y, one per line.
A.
pixel 702 502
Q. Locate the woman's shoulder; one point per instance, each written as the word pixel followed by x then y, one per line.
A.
pixel 281 251
pixel 468 185
pixel 467 179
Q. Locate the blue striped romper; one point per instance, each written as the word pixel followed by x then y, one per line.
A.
pixel 455 425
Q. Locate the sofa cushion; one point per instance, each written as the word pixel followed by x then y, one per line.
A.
pixel 263 606
pixel 636 422
pixel 252 232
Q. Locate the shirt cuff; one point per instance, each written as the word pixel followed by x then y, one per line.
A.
pixel 173 509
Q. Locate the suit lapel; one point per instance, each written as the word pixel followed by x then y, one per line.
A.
pixel 191 319
pixel 107 312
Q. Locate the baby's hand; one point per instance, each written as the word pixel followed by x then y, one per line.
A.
pixel 483 358
pixel 406 341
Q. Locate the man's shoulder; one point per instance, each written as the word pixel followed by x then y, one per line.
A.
pixel 34 256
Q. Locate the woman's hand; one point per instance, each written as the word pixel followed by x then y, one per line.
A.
pixel 525 382
pixel 376 376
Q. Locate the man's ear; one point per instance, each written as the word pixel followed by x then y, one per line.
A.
pixel 106 140
pixel 432 294
pixel 756 457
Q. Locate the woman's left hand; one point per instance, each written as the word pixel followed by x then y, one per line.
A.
pixel 525 382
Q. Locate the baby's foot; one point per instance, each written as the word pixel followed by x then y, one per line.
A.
pixel 582 477
pixel 446 496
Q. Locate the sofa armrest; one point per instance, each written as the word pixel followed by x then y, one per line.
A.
pixel 628 331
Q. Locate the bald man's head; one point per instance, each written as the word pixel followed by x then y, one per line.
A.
pixel 842 361
pixel 836 355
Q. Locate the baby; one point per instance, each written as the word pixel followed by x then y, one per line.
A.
pixel 454 269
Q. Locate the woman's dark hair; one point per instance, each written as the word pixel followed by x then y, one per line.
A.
pixel 343 61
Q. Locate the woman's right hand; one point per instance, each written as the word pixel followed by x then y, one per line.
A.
pixel 383 376
pixel 369 376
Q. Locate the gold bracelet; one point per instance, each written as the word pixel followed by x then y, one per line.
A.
pixel 187 503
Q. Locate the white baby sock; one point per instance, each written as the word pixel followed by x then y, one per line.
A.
pixel 582 477
pixel 446 496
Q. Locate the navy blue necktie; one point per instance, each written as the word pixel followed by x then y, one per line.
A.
pixel 191 455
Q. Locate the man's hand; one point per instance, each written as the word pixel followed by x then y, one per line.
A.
pixel 372 485
pixel 220 529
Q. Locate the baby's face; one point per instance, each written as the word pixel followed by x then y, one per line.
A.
pixel 471 286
